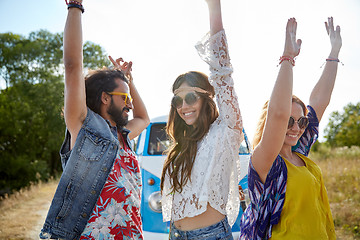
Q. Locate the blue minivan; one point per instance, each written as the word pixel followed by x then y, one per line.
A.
pixel 149 148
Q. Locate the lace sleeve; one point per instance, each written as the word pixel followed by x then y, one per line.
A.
pixel 310 135
pixel 214 51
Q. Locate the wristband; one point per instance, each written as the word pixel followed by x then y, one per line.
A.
pixel 75 4
pixel 290 59
pixel 332 60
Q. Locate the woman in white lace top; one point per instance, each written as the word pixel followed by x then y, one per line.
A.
pixel 201 173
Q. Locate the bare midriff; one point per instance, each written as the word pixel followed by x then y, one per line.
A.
pixel 208 218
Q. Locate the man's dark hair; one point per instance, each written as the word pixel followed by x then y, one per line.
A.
pixel 99 81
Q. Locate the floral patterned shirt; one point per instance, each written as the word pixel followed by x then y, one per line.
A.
pixel 117 212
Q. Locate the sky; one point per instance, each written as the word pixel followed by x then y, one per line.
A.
pixel 159 37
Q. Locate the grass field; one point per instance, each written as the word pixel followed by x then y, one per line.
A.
pixel 22 214
pixel 341 172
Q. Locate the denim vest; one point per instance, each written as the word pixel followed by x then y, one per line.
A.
pixel 85 171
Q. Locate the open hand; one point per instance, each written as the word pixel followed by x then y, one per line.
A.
pixel 123 66
pixel 292 45
pixel 335 37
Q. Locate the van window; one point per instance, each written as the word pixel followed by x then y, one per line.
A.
pixel 158 140
pixel 244 148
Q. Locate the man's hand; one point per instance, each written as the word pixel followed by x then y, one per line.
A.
pixel 123 66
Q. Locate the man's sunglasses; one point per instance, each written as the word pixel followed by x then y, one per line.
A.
pixel 302 122
pixel 190 98
pixel 127 98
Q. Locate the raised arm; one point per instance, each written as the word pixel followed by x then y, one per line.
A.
pixel 215 16
pixel 321 94
pixel 214 51
pixel 75 98
pixel 279 107
pixel 140 116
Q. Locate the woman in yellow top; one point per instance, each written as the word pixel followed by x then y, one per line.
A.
pixel 287 192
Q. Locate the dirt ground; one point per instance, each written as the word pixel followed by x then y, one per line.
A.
pixel 23 213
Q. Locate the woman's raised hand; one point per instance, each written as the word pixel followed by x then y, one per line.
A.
pixel 292 45
pixel 334 34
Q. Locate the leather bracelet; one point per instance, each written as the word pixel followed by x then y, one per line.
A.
pixel 74 5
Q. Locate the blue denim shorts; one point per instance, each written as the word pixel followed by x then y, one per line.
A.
pixel 217 231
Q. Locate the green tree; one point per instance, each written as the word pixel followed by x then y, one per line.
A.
pixel 31 123
pixel 343 128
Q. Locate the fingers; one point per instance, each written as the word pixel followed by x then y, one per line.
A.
pixel 120 64
pixel 130 66
pixel 291 28
pixel 292 45
pixel 291 25
pixel 117 62
pixel 334 35
pixel 327 28
pixel 112 60
pixel 329 25
pixel 126 66
pixel 338 29
pixel 299 42
pixel 288 25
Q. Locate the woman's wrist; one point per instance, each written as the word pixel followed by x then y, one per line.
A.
pixel 287 58
pixel 334 54
pixel 291 55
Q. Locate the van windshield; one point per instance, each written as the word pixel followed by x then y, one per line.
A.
pixel 158 140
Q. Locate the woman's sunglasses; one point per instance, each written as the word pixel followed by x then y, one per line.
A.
pixel 190 98
pixel 302 122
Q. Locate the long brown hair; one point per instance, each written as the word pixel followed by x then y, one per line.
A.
pixel 261 123
pixel 181 155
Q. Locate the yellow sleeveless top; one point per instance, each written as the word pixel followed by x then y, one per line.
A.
pixel 306 212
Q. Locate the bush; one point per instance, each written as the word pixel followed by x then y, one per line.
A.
pixel 20 172
pixel 31 123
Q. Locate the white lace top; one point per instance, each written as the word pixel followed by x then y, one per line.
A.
pixel 216 170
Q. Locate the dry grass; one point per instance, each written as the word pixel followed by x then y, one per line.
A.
pixel 342 180
pixel 23 213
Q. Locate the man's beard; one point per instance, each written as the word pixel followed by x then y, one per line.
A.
pixel 117 115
